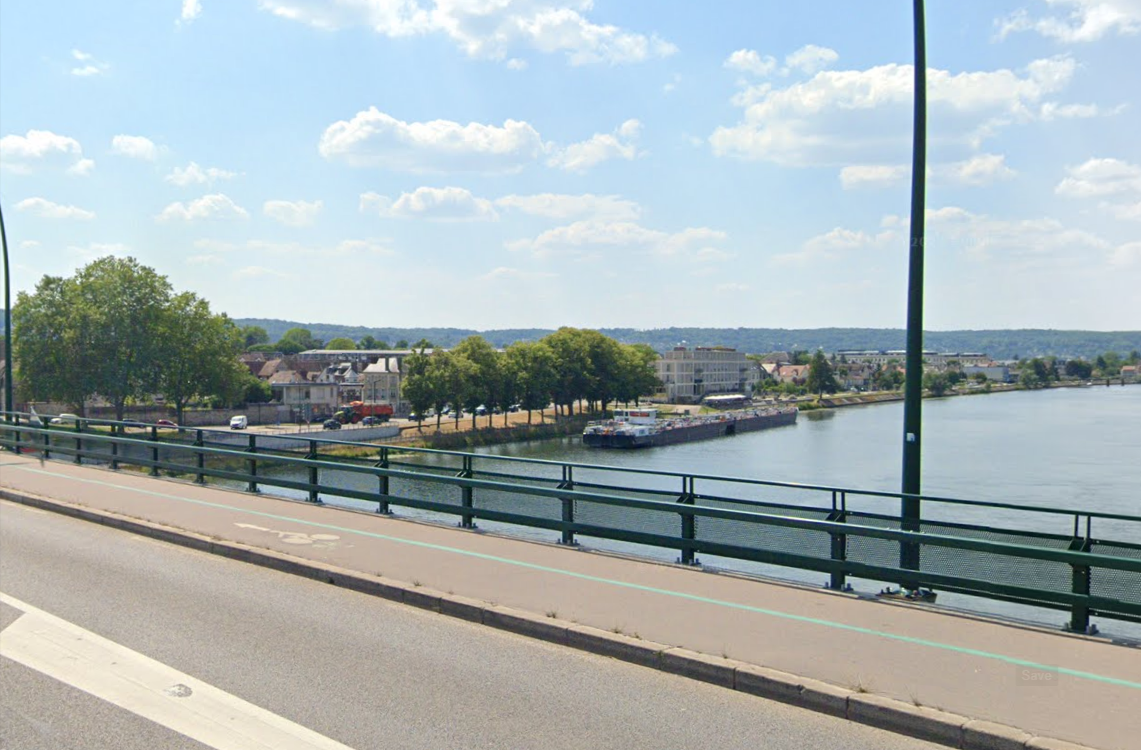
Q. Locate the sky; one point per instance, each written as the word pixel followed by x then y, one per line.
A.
pixel 493 164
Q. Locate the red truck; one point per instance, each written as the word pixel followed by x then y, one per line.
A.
pixel 355 411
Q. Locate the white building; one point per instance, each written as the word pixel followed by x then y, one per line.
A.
pixel 690 374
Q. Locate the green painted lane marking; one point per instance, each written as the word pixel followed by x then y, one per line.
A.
pixel 620 584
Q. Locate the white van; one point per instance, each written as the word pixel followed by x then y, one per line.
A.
pixel 239 422
pixel 65 419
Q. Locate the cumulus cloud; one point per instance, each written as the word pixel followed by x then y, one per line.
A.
pixel 343 248
pixel 843 116
pixel 81 168
pixel 486 30
pixel 192 174
pixel 88 65
pixel 1101 177
pixel 293 213
pixel 561 206
pixel 594 235
pixel 21 154
pixel 873 175
pixel 191 9
pixel 981 169
pixel 93 250
pixel 373 138
pixel 750 61
pixel 579 157
pixel 808 59
pixel 214 206
pixel 835 243
pixel 1086 21
pixel 135 147
pixel 435 204
pixel 47 210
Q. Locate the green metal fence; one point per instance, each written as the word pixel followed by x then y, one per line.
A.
pixel 1075 560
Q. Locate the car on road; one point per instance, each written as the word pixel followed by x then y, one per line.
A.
pixel 166 424
pixel 65 419
pixel 239 422
pixel 331 424
pixel 371 420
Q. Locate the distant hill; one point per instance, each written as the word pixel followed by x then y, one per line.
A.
pixel 1000 344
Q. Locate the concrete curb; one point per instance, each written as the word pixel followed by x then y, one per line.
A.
pixel 893 715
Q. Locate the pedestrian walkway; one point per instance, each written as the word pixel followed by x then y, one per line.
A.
pixel 891 664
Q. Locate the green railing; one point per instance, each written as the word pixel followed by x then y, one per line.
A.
pixel 1086 562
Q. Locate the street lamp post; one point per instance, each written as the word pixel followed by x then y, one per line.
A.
pixel 8 403
pixel 913 382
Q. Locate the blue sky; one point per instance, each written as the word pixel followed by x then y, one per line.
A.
pixel 535 163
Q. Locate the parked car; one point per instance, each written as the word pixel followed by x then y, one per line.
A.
pixel 370 421
pixel 331 424
pixel 65 419
pixel 166 424
pixel 239 422
pixel 134 423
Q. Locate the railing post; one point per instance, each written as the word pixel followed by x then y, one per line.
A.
pixel 154 451
pixel 115 433
pixel 567 483
pixel 839 551
pixel 382 501
pixel 688 523
pixel 78 441
pixel 252 465
pixel 46 452
pixel 199 458
pixel 1080 577
pixel 466 494
pixel 314 475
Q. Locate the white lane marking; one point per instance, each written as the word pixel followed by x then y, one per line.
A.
pixel 141 685
pixel 293 537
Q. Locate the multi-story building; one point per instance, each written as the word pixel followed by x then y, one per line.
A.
pixel 690 374
pixel 935 359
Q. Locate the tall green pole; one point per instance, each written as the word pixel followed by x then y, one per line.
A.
pixel 9 405
pixel 913 382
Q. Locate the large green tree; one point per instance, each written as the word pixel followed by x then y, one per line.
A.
pixel 484 386
pixel 821 378
pixel 532 364
pixel 199 355
pixel 341 343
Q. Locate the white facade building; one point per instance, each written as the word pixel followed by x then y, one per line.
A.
pixel 690 374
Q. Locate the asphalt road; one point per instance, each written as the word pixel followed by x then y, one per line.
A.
pixel 319 664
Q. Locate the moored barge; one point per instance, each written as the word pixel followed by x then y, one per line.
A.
pixel 642 428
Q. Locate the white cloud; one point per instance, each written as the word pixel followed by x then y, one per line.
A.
pixel 482 29
pixel 93 250
pixel 593 235
pixel 808 59
pixel 135 147
pixel 81 168
pixel 984 238
pixel 258 272
pixel 373 138
pixel 90 66
pixel 293 213
pixel 22 153
pixel 343 248
pixel 981 169
pixel 47 210
pixel 435 204
pixel 191 9
pixel 579 157
pixel 1055 111
pixel 750 61
pixel 1087 20
pixel 560 206
pixel 192 174
pixel 1126 255
pixel 503 273
pixel 850 115
pixel 214 206
pixel 1100 177
pixel 836 243
pixel 873 175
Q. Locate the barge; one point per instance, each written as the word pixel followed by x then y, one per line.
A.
pixel 642 428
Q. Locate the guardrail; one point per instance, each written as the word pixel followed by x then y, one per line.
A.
pixel 841 532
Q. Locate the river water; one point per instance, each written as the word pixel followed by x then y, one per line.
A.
pixel 1066 448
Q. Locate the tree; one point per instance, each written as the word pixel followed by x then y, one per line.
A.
pixel 636 376
pixel 298 340
pixel 573 369
pixel 936 383
pixel 253 336
pixel 416 386
pixel 483 387
pixel 1078 368
pixel 533 366
pixel 821 379
pixel 198 354
pixel 341 343
pixel 370 342
pixel 401 344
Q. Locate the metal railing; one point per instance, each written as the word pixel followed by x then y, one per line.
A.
pixel 1042 556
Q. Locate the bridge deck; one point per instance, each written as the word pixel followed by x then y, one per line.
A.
pixel 1070 687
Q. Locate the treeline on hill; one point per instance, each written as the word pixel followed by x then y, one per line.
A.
pixel 1001 344
pixel 566 367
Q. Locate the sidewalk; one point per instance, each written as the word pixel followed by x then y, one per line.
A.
pixel 890 664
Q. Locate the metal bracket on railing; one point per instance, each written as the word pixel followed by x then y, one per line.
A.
pixel 252 466
pixel 154 451
pixel 382 504
pixel 314 497
pixel 839 548
pixel 1080 579
pixel 200 458
pixel 567 483
pixel 466 519
pixel 688 523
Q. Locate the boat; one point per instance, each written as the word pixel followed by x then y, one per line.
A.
pixel 643 428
